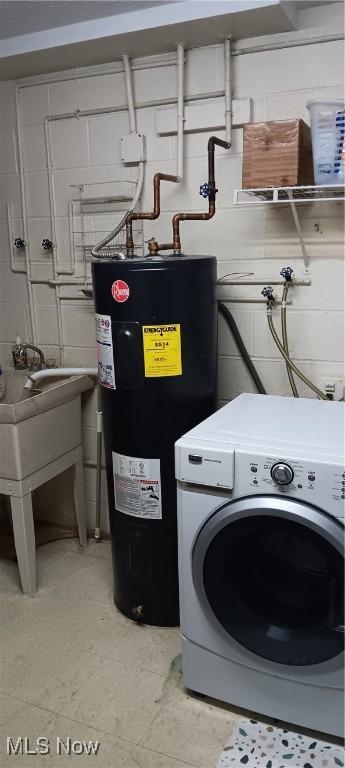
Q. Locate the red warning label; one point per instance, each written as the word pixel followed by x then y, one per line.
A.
pixel 120 291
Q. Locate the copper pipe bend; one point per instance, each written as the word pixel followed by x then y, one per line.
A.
pixel 141 215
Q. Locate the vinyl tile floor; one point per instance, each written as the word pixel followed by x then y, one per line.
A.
pixel 74 671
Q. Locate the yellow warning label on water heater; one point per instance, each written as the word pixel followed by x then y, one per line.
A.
pixel 162 350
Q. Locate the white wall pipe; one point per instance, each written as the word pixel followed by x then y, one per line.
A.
pixel 53 236
pixel 32 312
pixel 51 191
pixel 155 61
pixel 228 94
pixel 53 373
pixel 70 232
pixel 14 268
pixel 96 251
pixel 180 110
pixel 239 300
pixel 129 91
pixel 262 281
pixel 166 102
pixel 242 46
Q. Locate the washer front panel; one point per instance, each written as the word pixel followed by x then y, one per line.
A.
pixel 315 482
pixel 268 571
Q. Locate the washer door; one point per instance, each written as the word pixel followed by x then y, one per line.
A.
pixel 271 570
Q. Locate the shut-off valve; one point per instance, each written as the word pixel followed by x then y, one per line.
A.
pixel 267 292
pixel 47 244
pixel 206 190
pixel 287 273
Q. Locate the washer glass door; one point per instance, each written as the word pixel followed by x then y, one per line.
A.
pixel 271 571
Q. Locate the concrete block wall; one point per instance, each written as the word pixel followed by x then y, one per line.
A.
pixel 256 240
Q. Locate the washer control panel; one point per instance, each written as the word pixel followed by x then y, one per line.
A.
pixel 282 473
pixel 318 482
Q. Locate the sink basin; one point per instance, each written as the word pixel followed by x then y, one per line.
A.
pixel 38 426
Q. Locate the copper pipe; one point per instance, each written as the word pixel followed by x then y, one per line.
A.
pixel 138 215
pixel 154 247
pixel 213 140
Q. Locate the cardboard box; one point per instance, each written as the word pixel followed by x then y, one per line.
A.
pixel 277 154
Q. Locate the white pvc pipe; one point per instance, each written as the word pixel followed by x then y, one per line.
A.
pixel 33 321
pixel 262 281
pixel 53 236
pixel 53 373
pixel 228 95
pixel 166 102
pixel 180 110
pixel 130 98
pixel 51 190
pixel 71 239
pixel 17 270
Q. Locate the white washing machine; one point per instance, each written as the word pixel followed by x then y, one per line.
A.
pixel 261 489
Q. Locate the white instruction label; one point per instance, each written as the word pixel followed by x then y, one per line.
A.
pixel 137 484
pixel 105 354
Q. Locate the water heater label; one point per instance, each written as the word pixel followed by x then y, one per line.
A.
pixel 162 350
pixel 137 484
pixel 105 353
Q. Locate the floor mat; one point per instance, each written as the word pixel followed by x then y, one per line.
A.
pixel 257 745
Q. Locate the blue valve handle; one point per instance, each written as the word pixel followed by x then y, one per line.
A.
pixel 267 292
pixel 287 273
pixel 205 190
pixel 47 244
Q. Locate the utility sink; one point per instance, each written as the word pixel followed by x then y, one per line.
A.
pixel 39 425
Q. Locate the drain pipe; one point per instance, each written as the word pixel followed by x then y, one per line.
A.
pixel 53 373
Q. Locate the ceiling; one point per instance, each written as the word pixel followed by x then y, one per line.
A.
pixel 44 36
pixel 22 17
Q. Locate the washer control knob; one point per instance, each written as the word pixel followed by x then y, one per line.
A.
pixel 282 474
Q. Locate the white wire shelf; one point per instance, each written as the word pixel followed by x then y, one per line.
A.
pixel 291 196
pixel 288 195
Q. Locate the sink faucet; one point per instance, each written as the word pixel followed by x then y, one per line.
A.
pixel 39 352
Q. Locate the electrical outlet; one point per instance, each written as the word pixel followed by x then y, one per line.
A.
pixel 332 386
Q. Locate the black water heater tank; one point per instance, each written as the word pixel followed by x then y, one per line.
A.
pixel 156 327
